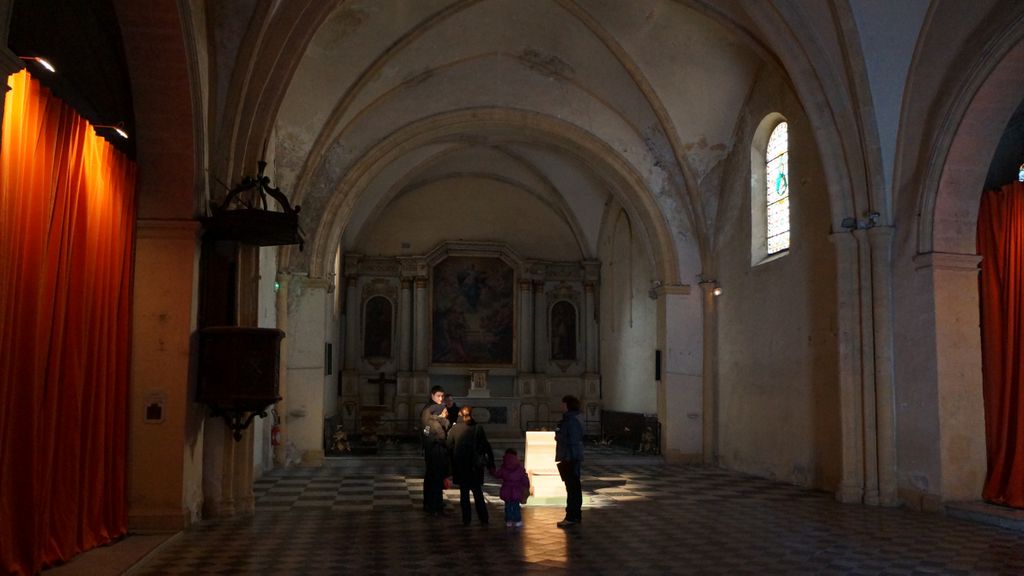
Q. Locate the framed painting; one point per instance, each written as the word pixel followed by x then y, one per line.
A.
pixel 473 311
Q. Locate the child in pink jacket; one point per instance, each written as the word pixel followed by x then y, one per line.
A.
pixel 515 487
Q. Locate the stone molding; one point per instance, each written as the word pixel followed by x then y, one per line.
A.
pixel 947 261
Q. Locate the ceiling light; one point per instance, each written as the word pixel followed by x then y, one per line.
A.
pixel 41 61
pixel 119 128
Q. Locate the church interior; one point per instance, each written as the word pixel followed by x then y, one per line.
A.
pixel 774 239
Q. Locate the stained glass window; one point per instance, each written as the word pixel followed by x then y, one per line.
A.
pixel 777 189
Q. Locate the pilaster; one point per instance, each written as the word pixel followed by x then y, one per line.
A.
pixel 880 238
pixel 540 328
pixel 851 487
pixel 405 326
pixel 958 392
pixel 165 458
pixel 420 358
pixel 589 322
pixel 710 371
pixel 526 316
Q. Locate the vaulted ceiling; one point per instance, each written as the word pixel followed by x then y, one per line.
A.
pixel 574 102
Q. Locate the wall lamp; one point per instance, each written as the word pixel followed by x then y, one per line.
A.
pixel 119 128
pixel 41 61
pixel 851 223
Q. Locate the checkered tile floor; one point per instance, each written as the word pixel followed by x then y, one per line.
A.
pixel 364 517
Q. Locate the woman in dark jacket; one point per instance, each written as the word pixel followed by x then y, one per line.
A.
pixel 471 455
pixel 569 457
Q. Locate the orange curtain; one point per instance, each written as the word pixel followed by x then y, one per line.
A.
pixel 67 205
pixel 1001 286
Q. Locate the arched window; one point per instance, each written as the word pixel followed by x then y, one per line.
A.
pixel 769 190
pixel 777 192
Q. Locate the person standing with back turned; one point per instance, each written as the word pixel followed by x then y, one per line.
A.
pixel 569 456
pixel 471 455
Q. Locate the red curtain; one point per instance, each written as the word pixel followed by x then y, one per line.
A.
pixel 1001 286
pixel 67 205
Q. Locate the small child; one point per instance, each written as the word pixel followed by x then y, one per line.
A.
pixel 515 487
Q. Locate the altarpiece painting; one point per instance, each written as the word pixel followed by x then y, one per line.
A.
pixel 473 311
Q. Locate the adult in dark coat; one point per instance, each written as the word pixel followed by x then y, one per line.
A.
pixel 471 455
pixel 569 458
pixel 434 420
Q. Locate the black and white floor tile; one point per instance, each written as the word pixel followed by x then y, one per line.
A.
pixel 365 518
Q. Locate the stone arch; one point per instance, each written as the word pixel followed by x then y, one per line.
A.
pixel 950 127
pixel 539 186
pixel 506 125
pixel 953 188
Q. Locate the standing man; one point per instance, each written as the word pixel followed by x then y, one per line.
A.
pixel 569 456
pixel 434 419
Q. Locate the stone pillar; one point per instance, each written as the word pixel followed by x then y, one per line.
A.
pixel 420 358
pixel 164 478
pixel 710 369
pixel 589 324
pixel 227 468
pixel 880 238
pixel 526 326
pixel 681 385
pixel 281 408
pixel 540 328
pixel 958 394
pixel 405 326
pixel 867 369
pixel 227 480
pixel 851 488
pixel 309 389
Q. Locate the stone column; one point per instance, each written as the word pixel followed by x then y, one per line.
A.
pixel 227 478
pixel 526 326
pixel 540 328
pixel 880 238
pixel 405 326
pixel 589 324
pixel 851 488
pixel 867 369
pixel 420 359
pixel 281 408
pixel 710 370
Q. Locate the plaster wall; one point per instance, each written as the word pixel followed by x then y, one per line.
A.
pixel 470 209
pixel 778 388
pixel 628 328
